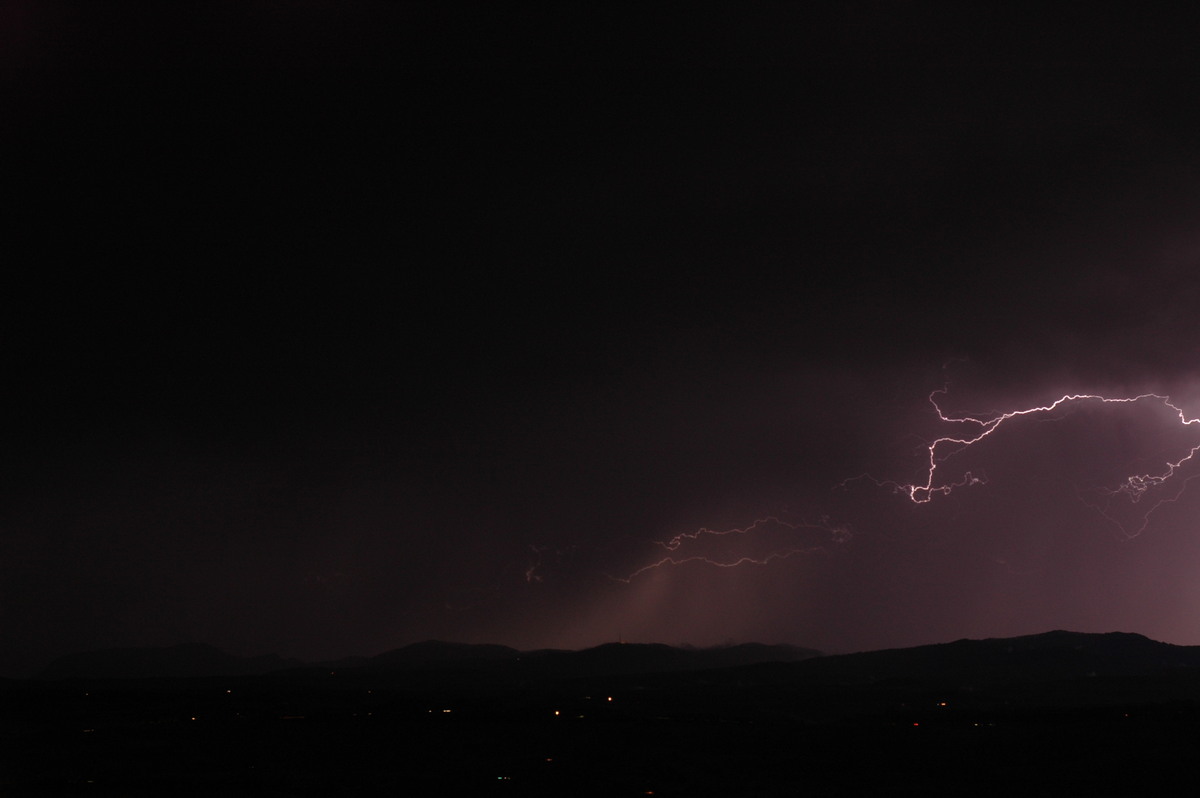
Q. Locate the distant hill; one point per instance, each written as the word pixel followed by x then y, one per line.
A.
pixel 625 659
pixel 1057 655
pixel 609 659
pixel 432 653
pixel 181 661
pixel 431 657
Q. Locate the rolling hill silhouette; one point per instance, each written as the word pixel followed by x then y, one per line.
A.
pixel 1051 655
pixel 1047 656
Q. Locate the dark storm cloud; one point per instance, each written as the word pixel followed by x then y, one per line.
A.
pixel 333 325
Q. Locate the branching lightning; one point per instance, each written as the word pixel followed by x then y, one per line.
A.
pixel 770 538
pixel 1133 487
pixel 836 533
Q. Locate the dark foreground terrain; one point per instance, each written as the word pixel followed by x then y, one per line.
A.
pixel 1054 714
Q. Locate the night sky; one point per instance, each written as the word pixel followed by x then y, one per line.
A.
pixel 332 327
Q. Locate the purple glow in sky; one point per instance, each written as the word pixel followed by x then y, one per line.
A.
pixel 1133 487
pixel 330 328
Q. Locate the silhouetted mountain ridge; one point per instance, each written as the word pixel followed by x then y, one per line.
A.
pixel 621 659
pixel 438 652
pixel 1048 656
pixel 430 656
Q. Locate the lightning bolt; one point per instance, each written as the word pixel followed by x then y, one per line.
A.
pixel 836 533
pixel 705 545
pixel 1133 487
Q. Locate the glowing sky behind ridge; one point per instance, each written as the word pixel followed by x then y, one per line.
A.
pixel 331 328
